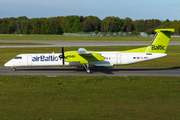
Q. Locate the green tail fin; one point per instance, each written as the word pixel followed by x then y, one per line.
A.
pixel 160 42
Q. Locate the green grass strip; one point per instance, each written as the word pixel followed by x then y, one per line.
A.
pixel 78 97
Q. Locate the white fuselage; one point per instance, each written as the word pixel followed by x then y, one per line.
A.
pixel 52 59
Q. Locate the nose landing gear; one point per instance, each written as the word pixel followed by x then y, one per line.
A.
pixel 13 69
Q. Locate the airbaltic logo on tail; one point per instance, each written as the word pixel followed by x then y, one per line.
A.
pixel 158 47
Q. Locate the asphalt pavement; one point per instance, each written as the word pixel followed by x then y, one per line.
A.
pixel 95 71
pixel 78 43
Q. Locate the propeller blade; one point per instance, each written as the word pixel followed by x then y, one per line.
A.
pixel 63 55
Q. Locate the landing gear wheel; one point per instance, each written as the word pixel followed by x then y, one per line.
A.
pixel 13 69
pixel 88 71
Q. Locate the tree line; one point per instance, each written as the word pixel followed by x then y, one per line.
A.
pixel 73 24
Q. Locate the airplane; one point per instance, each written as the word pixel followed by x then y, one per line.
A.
pixel 82 57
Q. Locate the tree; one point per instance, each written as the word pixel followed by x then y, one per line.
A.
pixel 156 23
pixel 151 25
pixel 94 22
pixel 46 25
pixel 52 26
pixel 42 26
pixel 149 31
pixel 71 20
pixel 165 24
pixel 73 23
pixel 96 32
pixel 25 27
pixel 139 25
pixel 111 24
pixel 135 33
pixel 12 26
pixel 64 24
pixel 22 18
pixel 85 25
pixel 145 25
pixel 3 27
pixel 77 25
pixel 176 26
pixel 129 24
pixel 7 26
pixel 35 26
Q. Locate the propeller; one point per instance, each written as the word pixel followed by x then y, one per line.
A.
pixel 62 56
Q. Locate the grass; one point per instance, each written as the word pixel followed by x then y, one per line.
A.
pixel 75 38
pixel 69 97
pixel 171 60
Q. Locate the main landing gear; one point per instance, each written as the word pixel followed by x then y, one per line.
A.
pixel 86 67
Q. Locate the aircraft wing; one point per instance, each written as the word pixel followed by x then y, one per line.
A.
pixel 83 56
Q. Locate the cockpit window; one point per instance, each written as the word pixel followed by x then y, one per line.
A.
pixel 18 57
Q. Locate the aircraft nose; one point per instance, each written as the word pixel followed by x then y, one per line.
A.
pixel 8 64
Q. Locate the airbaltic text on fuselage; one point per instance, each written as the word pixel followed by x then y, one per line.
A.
pixel 43 58
pixel 158 47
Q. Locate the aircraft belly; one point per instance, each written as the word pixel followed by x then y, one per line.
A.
pixel 100 63
pixel 92 63
pixel 74 64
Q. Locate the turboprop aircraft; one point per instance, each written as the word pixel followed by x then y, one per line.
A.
pixel 85 58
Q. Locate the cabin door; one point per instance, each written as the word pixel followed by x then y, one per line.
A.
pixel 118 59
pixel 29 60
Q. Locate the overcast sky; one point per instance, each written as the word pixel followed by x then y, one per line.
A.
pixel 134 9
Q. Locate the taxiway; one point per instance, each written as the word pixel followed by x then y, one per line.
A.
pixel 78 43
pixel 95 71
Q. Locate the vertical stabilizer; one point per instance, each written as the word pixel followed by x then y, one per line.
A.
pixel 160 42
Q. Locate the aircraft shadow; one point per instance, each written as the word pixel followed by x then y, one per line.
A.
pixel 106 70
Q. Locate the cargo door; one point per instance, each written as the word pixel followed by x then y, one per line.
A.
pixel 118 59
